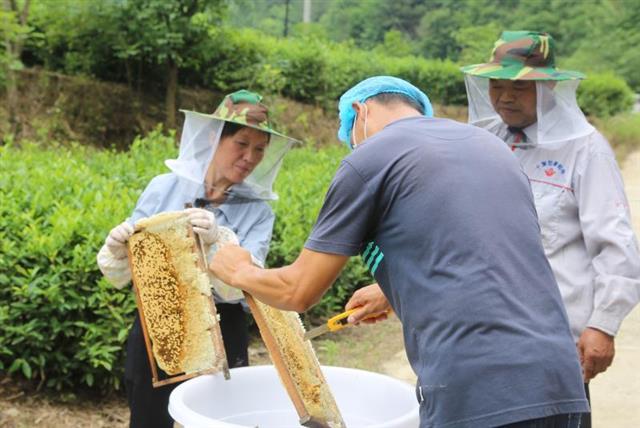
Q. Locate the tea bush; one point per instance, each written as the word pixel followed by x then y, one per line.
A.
pixel 604 95
pixel 307 68
pixel 318 71
pixel 61 323
pixel 315 71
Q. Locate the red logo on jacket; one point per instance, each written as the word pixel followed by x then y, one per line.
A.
pixel 551 168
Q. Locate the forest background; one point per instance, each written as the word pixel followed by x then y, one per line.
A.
pixel 86 83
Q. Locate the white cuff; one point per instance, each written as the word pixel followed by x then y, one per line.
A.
pixel 606 322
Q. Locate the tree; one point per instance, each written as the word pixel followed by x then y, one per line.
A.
pixel 368 21
pixel 476 42
pixel 396 43
pixel 14 29
pixel 436 33
pixel 348 19
pixel 169 33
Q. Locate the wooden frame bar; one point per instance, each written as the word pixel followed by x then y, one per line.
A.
pixel 277 358
pixel 216 337
pixel 297 365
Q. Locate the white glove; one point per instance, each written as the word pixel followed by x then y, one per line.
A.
pixel 116 271
pixel 204 224
pixel 224 292
pixel 117 239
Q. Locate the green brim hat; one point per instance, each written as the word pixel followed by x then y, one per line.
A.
pixel 522 55
pixel 244 108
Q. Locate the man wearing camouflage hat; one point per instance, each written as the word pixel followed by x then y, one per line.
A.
pixel 520 96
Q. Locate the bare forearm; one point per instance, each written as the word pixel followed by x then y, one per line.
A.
pixel 276 287
pixel 296 287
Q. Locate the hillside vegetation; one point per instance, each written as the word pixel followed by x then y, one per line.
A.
pixel 155 47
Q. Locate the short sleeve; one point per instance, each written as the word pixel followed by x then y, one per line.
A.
pixel 346 216
pixel 258 236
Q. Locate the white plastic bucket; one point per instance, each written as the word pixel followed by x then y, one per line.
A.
pixel 254 397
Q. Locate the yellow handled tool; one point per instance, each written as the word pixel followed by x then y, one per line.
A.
pixel 334 324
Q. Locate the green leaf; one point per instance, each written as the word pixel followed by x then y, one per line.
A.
pixel 89 379
pixel 26 369
pixel 15 366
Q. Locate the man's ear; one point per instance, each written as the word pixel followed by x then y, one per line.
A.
pixel 357 107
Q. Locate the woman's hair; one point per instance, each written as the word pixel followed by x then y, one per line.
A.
pixel 230 129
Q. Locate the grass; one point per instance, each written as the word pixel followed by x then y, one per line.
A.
pixel 623 133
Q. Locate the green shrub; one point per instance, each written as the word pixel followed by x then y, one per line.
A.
pixel 305 69
pixel 312 70
pixel 604 95
pixel 442 81
pixel 347 66
pixel 62 323
pixel 232 60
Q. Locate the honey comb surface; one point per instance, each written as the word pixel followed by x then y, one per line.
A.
pixel 302 365
pixel 175 295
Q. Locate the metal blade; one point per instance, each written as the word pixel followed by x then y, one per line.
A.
pixel 315 332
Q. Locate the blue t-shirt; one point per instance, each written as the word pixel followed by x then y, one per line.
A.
pixel 445 220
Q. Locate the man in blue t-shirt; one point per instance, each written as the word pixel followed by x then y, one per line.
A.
pixel 445 220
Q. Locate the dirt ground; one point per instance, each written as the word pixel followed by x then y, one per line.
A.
pixel 22 409
pixel 364 347
pixel 615 394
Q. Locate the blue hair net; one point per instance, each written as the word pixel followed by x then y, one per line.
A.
pixel 369 88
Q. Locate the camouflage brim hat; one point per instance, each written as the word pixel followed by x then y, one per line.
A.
pixel 522 55
pixel 244 108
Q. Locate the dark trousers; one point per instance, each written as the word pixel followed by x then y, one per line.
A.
pixel 568 420
pixel 148 405
pixel 586 417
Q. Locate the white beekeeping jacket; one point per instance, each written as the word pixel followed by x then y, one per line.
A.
pixel 582 207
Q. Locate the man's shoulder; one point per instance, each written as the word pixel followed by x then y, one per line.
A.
pixel 428 124
pixel 438 128
pixel 413 129
pixel 598 144
pixel 406 135
pixel 583 149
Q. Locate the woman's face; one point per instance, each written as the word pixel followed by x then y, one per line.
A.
pixel 237 155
